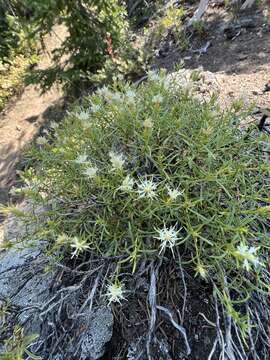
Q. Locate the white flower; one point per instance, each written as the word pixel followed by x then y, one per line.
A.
pixel 54 125
pixel 117 160
pixel 86 124
pixel 120 77
pixel 82 115
pixel 127 184
pixel 174 193
pixel 91 172
pixel 104 91
pixel 79 245
pixel 157 99
pixel 43 195
pixel 148 123
pixel 108 94
pixel 116 96
pixel 41 140
pixel 166 83
pixel 81 159
pixel 95 108
pixel 14 191
pixel 62 239
pixel 153 76
pixel 115 292
pixel 131 95
pixel 147 189
pixel 247 254
pixel 201 270
pixel 167 236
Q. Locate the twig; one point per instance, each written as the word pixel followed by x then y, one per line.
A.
pixel 180 328
pixel 153 305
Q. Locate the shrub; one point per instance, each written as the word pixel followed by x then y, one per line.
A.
pixel 12 75
pixel 166 29
pixel 140 11
pixel 17 51
pixel 151 173
pixel 16 346
pixel 95 30
pixel 13 28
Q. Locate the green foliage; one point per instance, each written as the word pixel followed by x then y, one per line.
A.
pixel 167 25
pixel 199 28
pixel 17 50
pixel 95 30
pixel 145 173
pixel 141 10
pixel 14 29
pixel 16 346
pixel 12 74
pixel 9 37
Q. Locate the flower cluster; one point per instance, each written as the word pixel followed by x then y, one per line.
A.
pixel 109 96
pixel 144 188
pixel 248 256
pixel 127 184
pixel 168 237
pixel 76 243
pixel 115 292
pixel 41 140
pixel 117 161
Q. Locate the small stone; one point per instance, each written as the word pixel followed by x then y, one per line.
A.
pixel 242 57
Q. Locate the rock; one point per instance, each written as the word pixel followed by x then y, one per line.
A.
pixel 248 22
pixel 15 228
pixel 27 287
pixel 233 29
pixel 266 88
pixel 21 267
pixel 242 57
pixel 22 279
pixel 99 328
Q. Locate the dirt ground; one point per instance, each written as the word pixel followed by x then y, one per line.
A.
pixel 22 119
pixel 20 122
pixel 238 54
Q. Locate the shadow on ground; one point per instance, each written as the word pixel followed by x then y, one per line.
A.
pixel 243 47
pixel 12 153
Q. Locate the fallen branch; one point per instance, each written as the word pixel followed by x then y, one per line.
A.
pixel 248 4
pixel 199 12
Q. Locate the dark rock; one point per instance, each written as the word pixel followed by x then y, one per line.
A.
pixel 234 29
pixel 247 22
pixel 26 286
pixel 99 328
pixel 266 88
pixel 23 282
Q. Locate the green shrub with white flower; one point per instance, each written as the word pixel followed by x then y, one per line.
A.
pixel 150 173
